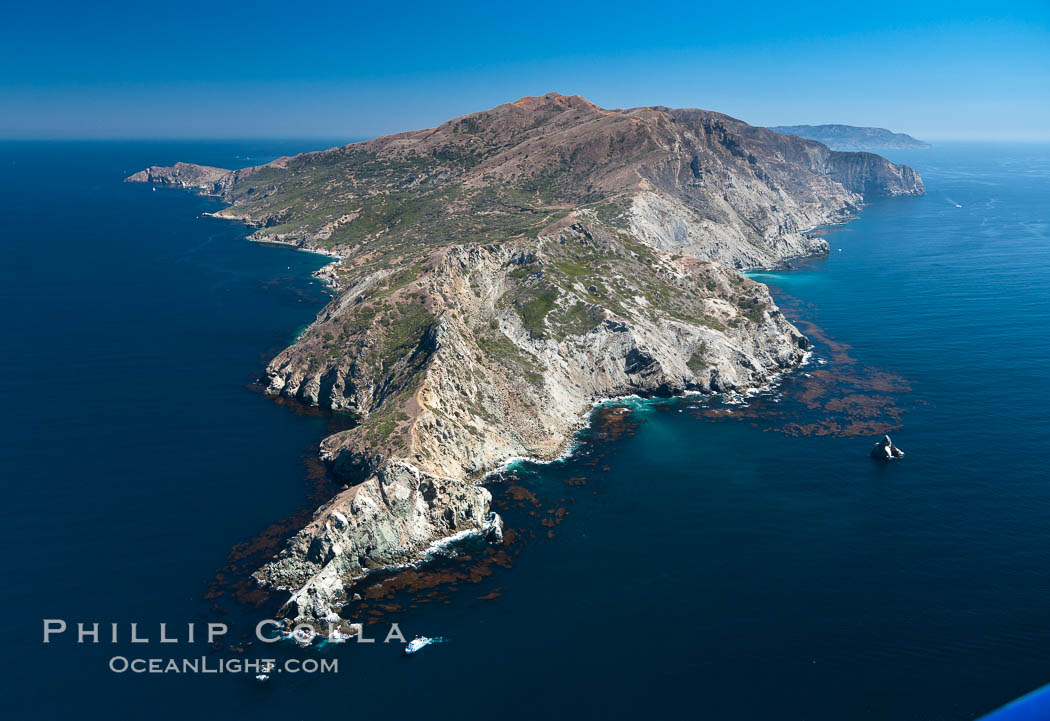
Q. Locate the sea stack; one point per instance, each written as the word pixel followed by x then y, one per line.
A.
pixel 884 450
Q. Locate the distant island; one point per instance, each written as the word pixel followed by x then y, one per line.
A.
pixel 498 274
pixel 852 137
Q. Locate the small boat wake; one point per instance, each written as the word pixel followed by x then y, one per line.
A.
pixel 420 642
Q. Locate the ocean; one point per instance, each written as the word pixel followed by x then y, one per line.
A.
pixel 718 558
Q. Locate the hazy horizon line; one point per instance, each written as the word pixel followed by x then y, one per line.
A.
pixel 347 139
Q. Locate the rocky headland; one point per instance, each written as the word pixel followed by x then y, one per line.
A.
pixel 853 138
pixel 498 274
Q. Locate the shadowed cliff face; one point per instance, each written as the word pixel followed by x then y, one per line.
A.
pixel 500 273
pixel 872 175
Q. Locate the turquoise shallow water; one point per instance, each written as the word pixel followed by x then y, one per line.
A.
pixel 727 562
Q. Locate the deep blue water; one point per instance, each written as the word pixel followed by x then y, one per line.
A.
pixel 746 565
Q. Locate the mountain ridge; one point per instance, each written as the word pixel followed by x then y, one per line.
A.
pixel 513 142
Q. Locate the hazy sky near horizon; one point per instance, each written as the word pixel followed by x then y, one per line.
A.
pixel 344 70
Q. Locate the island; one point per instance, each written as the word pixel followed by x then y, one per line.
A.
pixel 495 276
pixel 852 137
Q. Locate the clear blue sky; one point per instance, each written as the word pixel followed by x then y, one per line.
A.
pixel 346 69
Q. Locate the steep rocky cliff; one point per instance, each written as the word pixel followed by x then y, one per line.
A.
pixel 500 273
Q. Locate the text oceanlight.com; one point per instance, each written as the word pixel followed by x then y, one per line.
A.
pixel 203 664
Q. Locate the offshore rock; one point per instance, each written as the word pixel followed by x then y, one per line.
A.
pixel 884 450
pixel 493 528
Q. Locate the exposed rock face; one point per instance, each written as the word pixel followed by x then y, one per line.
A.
pixel 499 274
pixel 884 450
pixel 483 383
pixel 753 192
pixel 387 519
pixel 851 137
pixel 872 175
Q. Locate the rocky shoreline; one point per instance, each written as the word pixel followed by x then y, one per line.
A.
pixel 498 276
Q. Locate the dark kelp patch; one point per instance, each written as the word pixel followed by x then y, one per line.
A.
pixel 843 397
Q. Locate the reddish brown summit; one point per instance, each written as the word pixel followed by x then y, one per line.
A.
pixel 554 101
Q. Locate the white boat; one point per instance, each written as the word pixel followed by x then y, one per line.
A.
pixel 264 674
pixel 418 643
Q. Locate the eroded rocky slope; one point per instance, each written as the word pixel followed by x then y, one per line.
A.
pixel 499 274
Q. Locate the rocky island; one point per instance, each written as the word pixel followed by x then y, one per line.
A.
pixel 884 450
pixel 852 137
pixel 498 274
